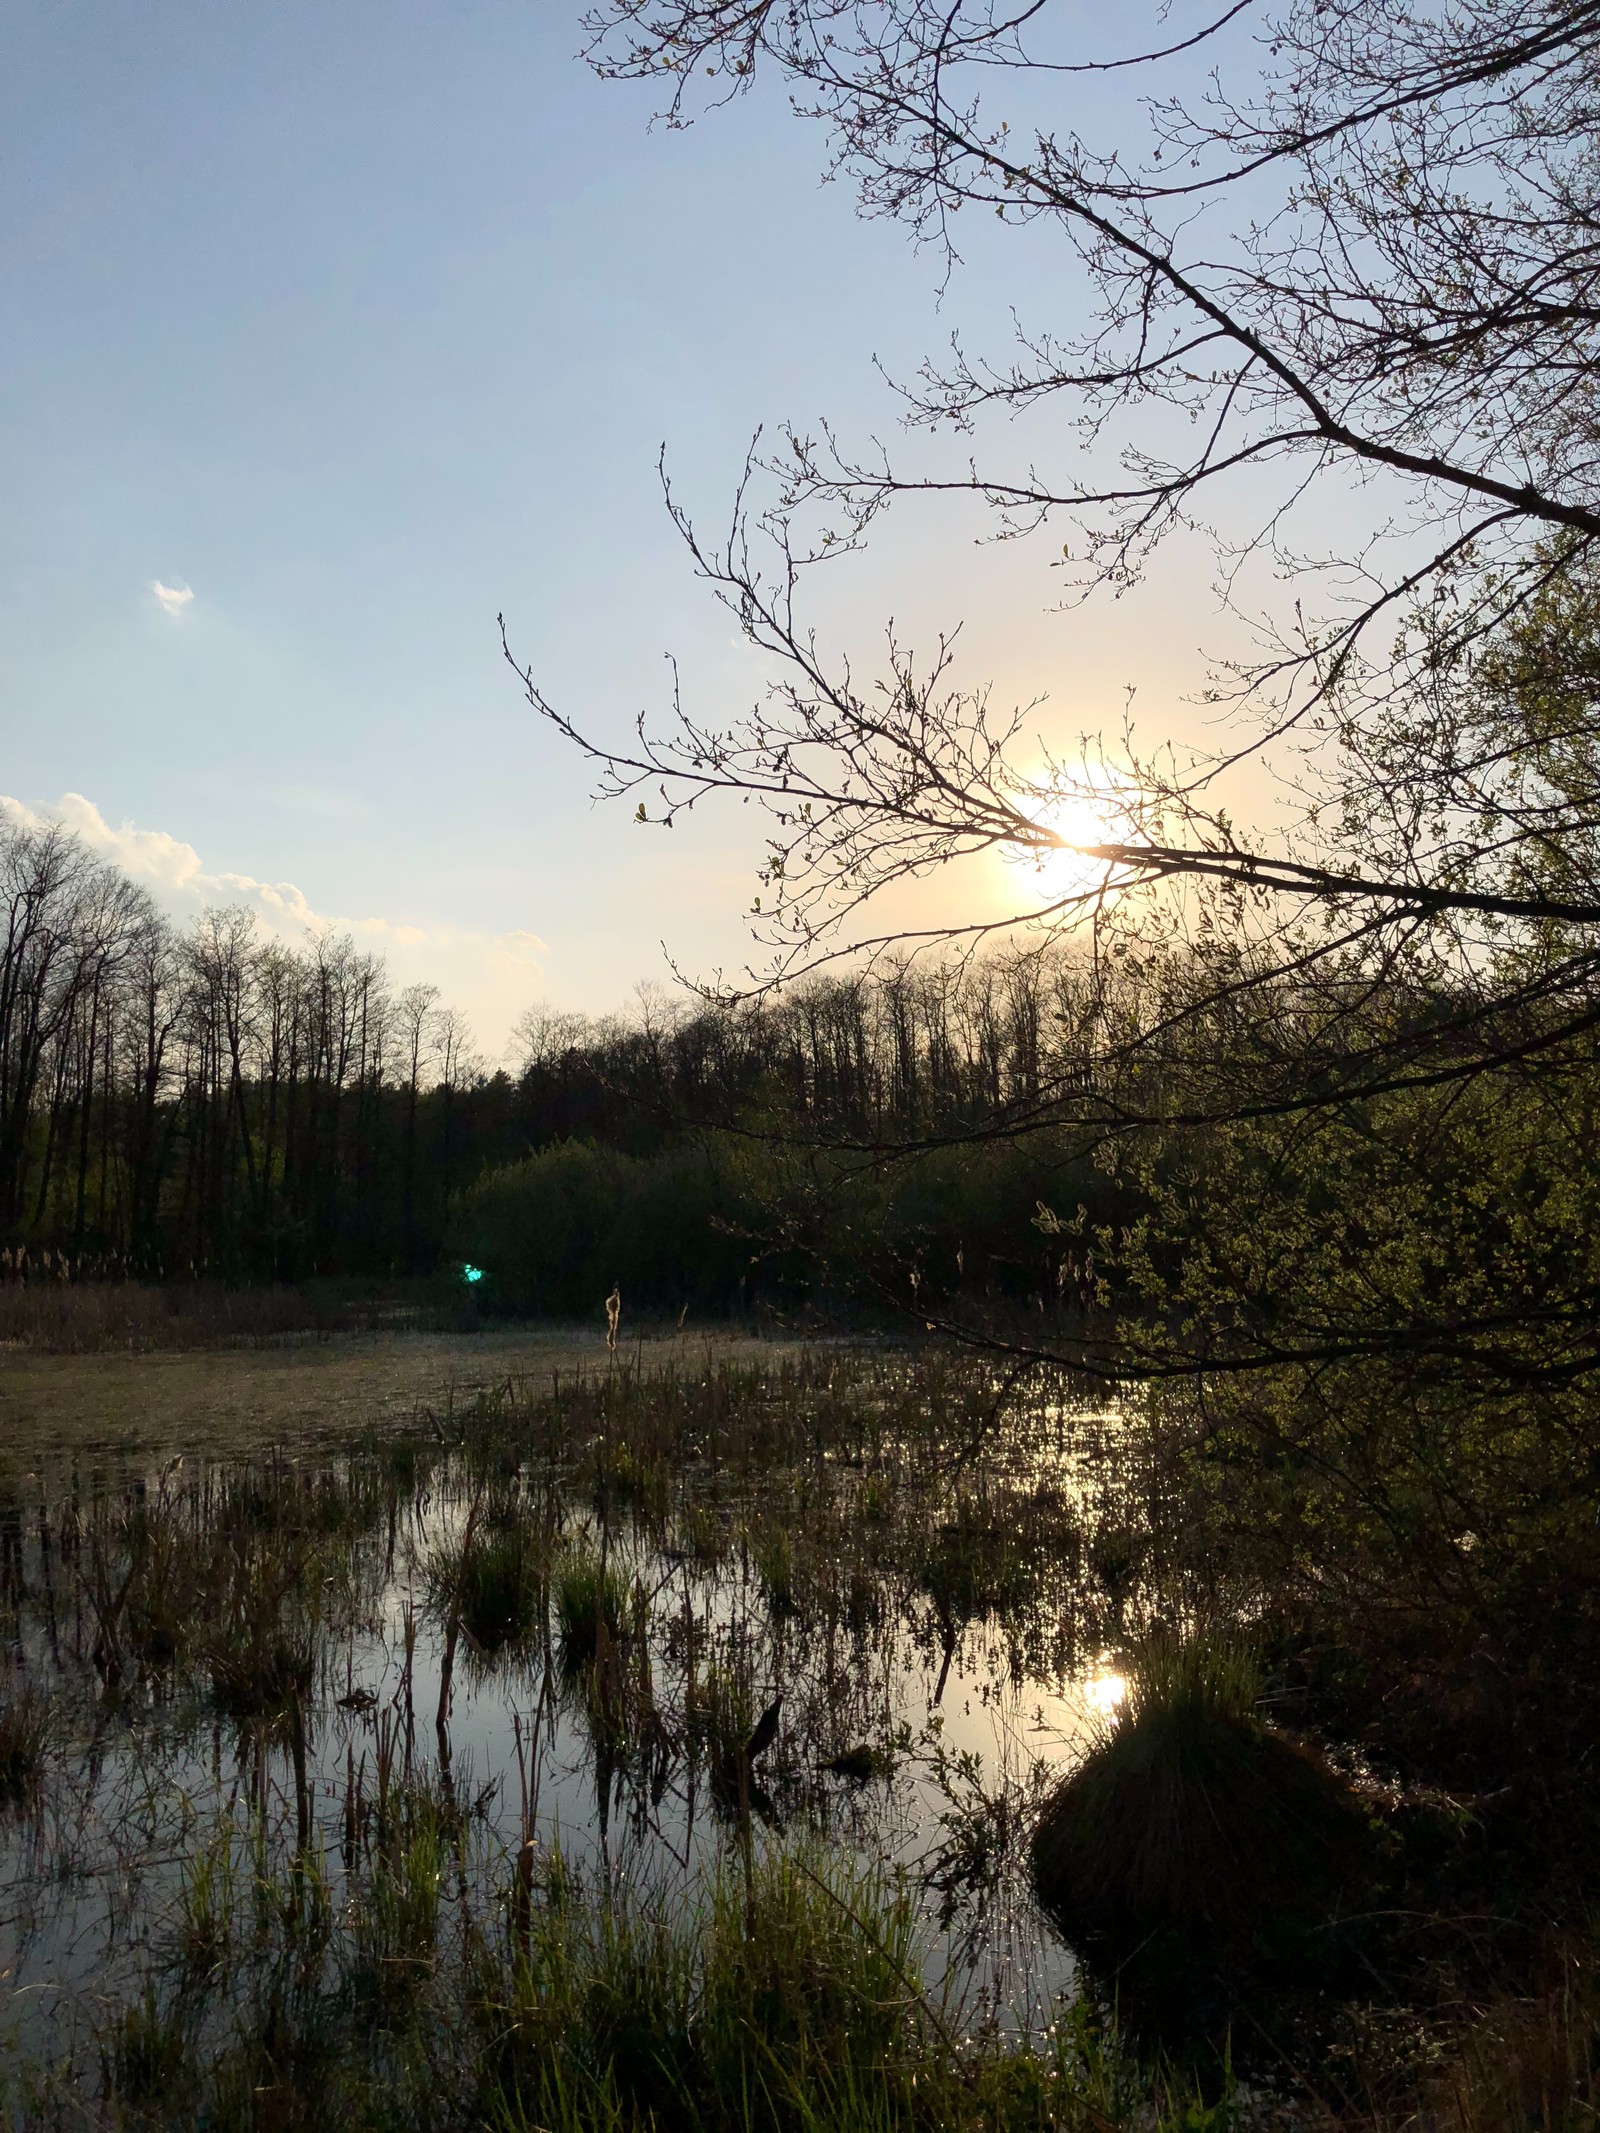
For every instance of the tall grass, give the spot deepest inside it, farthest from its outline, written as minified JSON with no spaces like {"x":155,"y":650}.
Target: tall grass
{"x":788,"y":1997}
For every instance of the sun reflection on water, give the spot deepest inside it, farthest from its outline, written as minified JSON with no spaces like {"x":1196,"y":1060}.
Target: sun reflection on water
{"x":1105,"y":1691}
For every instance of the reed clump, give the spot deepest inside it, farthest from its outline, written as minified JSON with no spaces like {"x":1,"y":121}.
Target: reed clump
{"x":777,"y":2000}
{"x":975,"y":1564}
{"x":146,"y":2064}
{"x":1190,"y":1827}
{"x":772,"y":1558}
{"x":261,"y":1650}
{"x":720,"y":1709}
{"x":496,"y":1581}
{"x":396,"y":1909}
{"x":591,"y":1604}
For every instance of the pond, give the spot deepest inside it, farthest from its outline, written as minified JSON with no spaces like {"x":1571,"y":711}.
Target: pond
{"x":613,"y":1635}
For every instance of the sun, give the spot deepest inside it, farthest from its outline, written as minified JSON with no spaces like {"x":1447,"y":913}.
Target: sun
{"x":1076,"y":821}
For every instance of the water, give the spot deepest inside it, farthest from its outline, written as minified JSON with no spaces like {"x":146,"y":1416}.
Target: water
{"x":935,"y":1623}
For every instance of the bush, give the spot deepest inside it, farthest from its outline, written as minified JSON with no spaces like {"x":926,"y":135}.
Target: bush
{"x":554,"y":1231}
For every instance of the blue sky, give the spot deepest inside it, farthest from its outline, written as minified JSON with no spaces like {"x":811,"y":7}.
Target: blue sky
{"x":362,"y":324}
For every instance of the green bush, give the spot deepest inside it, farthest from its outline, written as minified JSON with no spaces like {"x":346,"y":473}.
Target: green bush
{"x":554,"y":1231}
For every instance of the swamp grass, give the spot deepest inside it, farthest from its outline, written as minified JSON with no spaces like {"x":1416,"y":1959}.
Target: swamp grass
{"x":494,"y":1582}
{"x":592,"y":1603}
{"x":788,"y":1995}
{"x":351,"y":1917}
{"x":344,"y":1880}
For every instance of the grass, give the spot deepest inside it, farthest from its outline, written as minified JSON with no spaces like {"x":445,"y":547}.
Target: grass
{"x":772,"y":1557}
{"x":207,"y":1907}
{"x":788,"y":1998}
{"x":1190,"y":1833}
{"x":145,"y":2060}
{"x":260,"y":1647}
{"x":592,"y":1603}
{"x":496,"y":1581}
{"x":785,"y":1990}
{"x":1521,"y":2062}
{"x":396,"y":1914}
{"x":975,"y":1564}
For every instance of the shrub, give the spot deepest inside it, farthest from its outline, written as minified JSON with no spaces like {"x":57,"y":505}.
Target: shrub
{"x":554,"y":1231}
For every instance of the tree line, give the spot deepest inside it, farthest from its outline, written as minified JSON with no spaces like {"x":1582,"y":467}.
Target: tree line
{"x":206,"y":1101}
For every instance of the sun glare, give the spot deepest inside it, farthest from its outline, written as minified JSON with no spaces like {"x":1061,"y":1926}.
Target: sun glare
{"x":1104,"y":1693}
{"x":1079,"y":820}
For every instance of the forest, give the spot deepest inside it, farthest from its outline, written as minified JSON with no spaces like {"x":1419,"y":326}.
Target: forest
{"x":208,"y":1103}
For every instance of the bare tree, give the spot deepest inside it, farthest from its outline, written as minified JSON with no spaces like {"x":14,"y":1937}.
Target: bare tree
{"x":416,"y":1016}
{"x":1357,"y":259}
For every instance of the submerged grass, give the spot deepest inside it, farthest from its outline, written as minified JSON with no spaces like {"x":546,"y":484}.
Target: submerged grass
{"x":24,"y":1734}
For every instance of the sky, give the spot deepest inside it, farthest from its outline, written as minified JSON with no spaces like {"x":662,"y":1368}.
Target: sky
{"x":333,"y":333}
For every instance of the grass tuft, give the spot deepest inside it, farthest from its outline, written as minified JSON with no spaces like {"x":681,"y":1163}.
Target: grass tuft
{"x":1191,"y":1824}
{"x":496,"y":1583}
{"x":591,"y":1603}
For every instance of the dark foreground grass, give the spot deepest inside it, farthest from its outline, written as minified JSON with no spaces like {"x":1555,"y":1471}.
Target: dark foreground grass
{"x":789,"y":1996}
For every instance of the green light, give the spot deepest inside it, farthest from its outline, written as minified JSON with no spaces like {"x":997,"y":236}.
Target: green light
{"x":470,"y":1274}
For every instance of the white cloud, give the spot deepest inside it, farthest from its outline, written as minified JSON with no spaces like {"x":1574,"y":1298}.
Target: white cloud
{"x":492,"y":976}
{"x":174,"y":598}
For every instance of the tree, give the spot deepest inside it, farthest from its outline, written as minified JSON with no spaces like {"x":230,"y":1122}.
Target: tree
{"x":1340,"y":252}
{"x":1363,"y":248}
